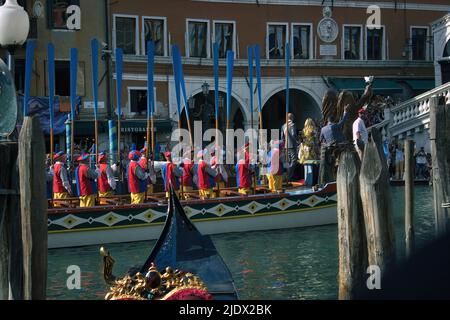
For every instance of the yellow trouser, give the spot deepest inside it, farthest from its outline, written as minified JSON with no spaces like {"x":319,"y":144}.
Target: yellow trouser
{"x":137,"y":198}
{"x":207,"y":194}
{"x":186,"y":189}
{"x":275,"y":182}
{"x":58,"y":196}
{"x":105,"y":194}
{"x":149,"y":189}
{"x":245,"y":191}
{"x":87,"y":201}
{"x":176,"y":192}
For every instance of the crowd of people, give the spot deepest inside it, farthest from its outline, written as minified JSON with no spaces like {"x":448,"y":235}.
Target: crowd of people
{"x":396,"y":162}
{"x":311,"y":156}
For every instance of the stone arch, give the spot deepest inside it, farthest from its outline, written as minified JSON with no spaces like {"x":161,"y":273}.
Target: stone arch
{"x":204,"y":110}
{"x":302,"y":104}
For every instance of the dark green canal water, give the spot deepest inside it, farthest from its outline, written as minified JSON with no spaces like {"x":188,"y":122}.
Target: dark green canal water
{"x":283,"y":264}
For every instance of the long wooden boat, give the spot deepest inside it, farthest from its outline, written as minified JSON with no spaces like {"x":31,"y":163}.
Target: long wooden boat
{"x":299,"y":207}
{"x":193,"y":268}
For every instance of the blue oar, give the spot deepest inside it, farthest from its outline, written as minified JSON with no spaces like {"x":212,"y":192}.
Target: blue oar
{"x":288,"y":62}
{"x":119,"y":64}
{"x":258,"y":76}
{"x":73,"y":94}
{"x":216,"y":81}
{"x":250,"y":79}
{"x":150,"y":95}
{"x":230,"y":61}
{"x":183,"y":91}
{"x":51,"y":90}
{"x":31,"y":46}
{"x":94,"y":59}
{"x":176,"y":76}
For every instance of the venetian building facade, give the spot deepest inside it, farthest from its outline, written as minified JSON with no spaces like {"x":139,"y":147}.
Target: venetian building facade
{"x":441,"y":35}
{"x":331,"y":48}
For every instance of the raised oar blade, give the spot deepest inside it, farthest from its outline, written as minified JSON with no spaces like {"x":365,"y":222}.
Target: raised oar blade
{"x":181,"y":246}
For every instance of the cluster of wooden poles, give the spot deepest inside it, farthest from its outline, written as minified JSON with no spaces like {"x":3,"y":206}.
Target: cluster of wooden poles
{"x":365,"y":211}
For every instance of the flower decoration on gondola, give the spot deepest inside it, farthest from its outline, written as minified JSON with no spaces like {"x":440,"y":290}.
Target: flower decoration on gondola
{"x":170,"y":285}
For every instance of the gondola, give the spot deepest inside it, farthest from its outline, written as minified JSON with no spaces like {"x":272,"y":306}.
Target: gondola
{"x":194,"y":268}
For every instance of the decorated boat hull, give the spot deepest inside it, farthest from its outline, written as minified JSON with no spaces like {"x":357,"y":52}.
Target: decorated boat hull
{"x":129,"y":223}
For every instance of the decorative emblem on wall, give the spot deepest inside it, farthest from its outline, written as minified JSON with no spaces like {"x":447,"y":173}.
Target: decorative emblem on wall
{"x":327,"y":29}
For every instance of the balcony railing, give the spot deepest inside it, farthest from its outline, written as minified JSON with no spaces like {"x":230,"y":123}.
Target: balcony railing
{"x":412,"y":113}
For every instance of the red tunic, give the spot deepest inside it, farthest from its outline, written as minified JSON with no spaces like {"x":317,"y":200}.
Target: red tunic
{"x":57,"y":181}
{"x":85,"y":187}
{"x":103,"y":184}
{"x":187,"y":175}
{"x":203,"y":177}
{"x":133,"y":181}
{"x":245,"y":180}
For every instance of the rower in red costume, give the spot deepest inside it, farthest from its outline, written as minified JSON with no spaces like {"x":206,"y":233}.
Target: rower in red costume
{"x":137,"y":178}
{"x":244,"y":172}
{"x":222,"y":175}
{"x":61,"y":184}
{"x":187,"y":180}
{"x":106,"y":179}
{"x":86,"y":184}
{"x":205,"y":176}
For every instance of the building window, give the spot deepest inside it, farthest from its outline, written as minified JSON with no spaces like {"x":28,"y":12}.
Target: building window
{"x":137,"y":98}
{"x":126,"y":34}
{"x":277,"y":37}
{"x":224,"y":35}
{"x":62,"y":78}
{"x":155,"y":30}
{"x":198,"y":38}
{"x":375,"y":44}
{"x":352,"y":42}
{"x":302,"y":41}
{"x":57,"y":13}
{"x":419,"y":43}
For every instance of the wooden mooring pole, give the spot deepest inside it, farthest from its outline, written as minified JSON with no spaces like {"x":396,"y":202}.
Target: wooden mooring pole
{"x":409,"y":197}
{"x":33,"y":206}
{"x":352,"y":236}
{"x":377,"y":205}
{"x":11,"y":263}
{"x":440,"y":153}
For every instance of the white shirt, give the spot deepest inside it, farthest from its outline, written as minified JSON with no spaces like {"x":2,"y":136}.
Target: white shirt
{"x":359,"y":126}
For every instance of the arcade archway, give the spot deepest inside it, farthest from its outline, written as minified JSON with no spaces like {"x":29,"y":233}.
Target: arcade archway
{"x":302,"y":105}
{"x":203,"y":109}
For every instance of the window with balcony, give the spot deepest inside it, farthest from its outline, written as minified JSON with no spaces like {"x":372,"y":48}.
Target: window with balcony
{"x":276,"y":40}
{"x":302,"y":41}
{"x":198,"y":38}
{"x":224,"y":35}
{"x":419,"y":36}
{"x":57,"y":13}
{"x":155,"y":30}
{"x":375,"y":44}
{"x":352,"y":42}
{"x":126,"y":34}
